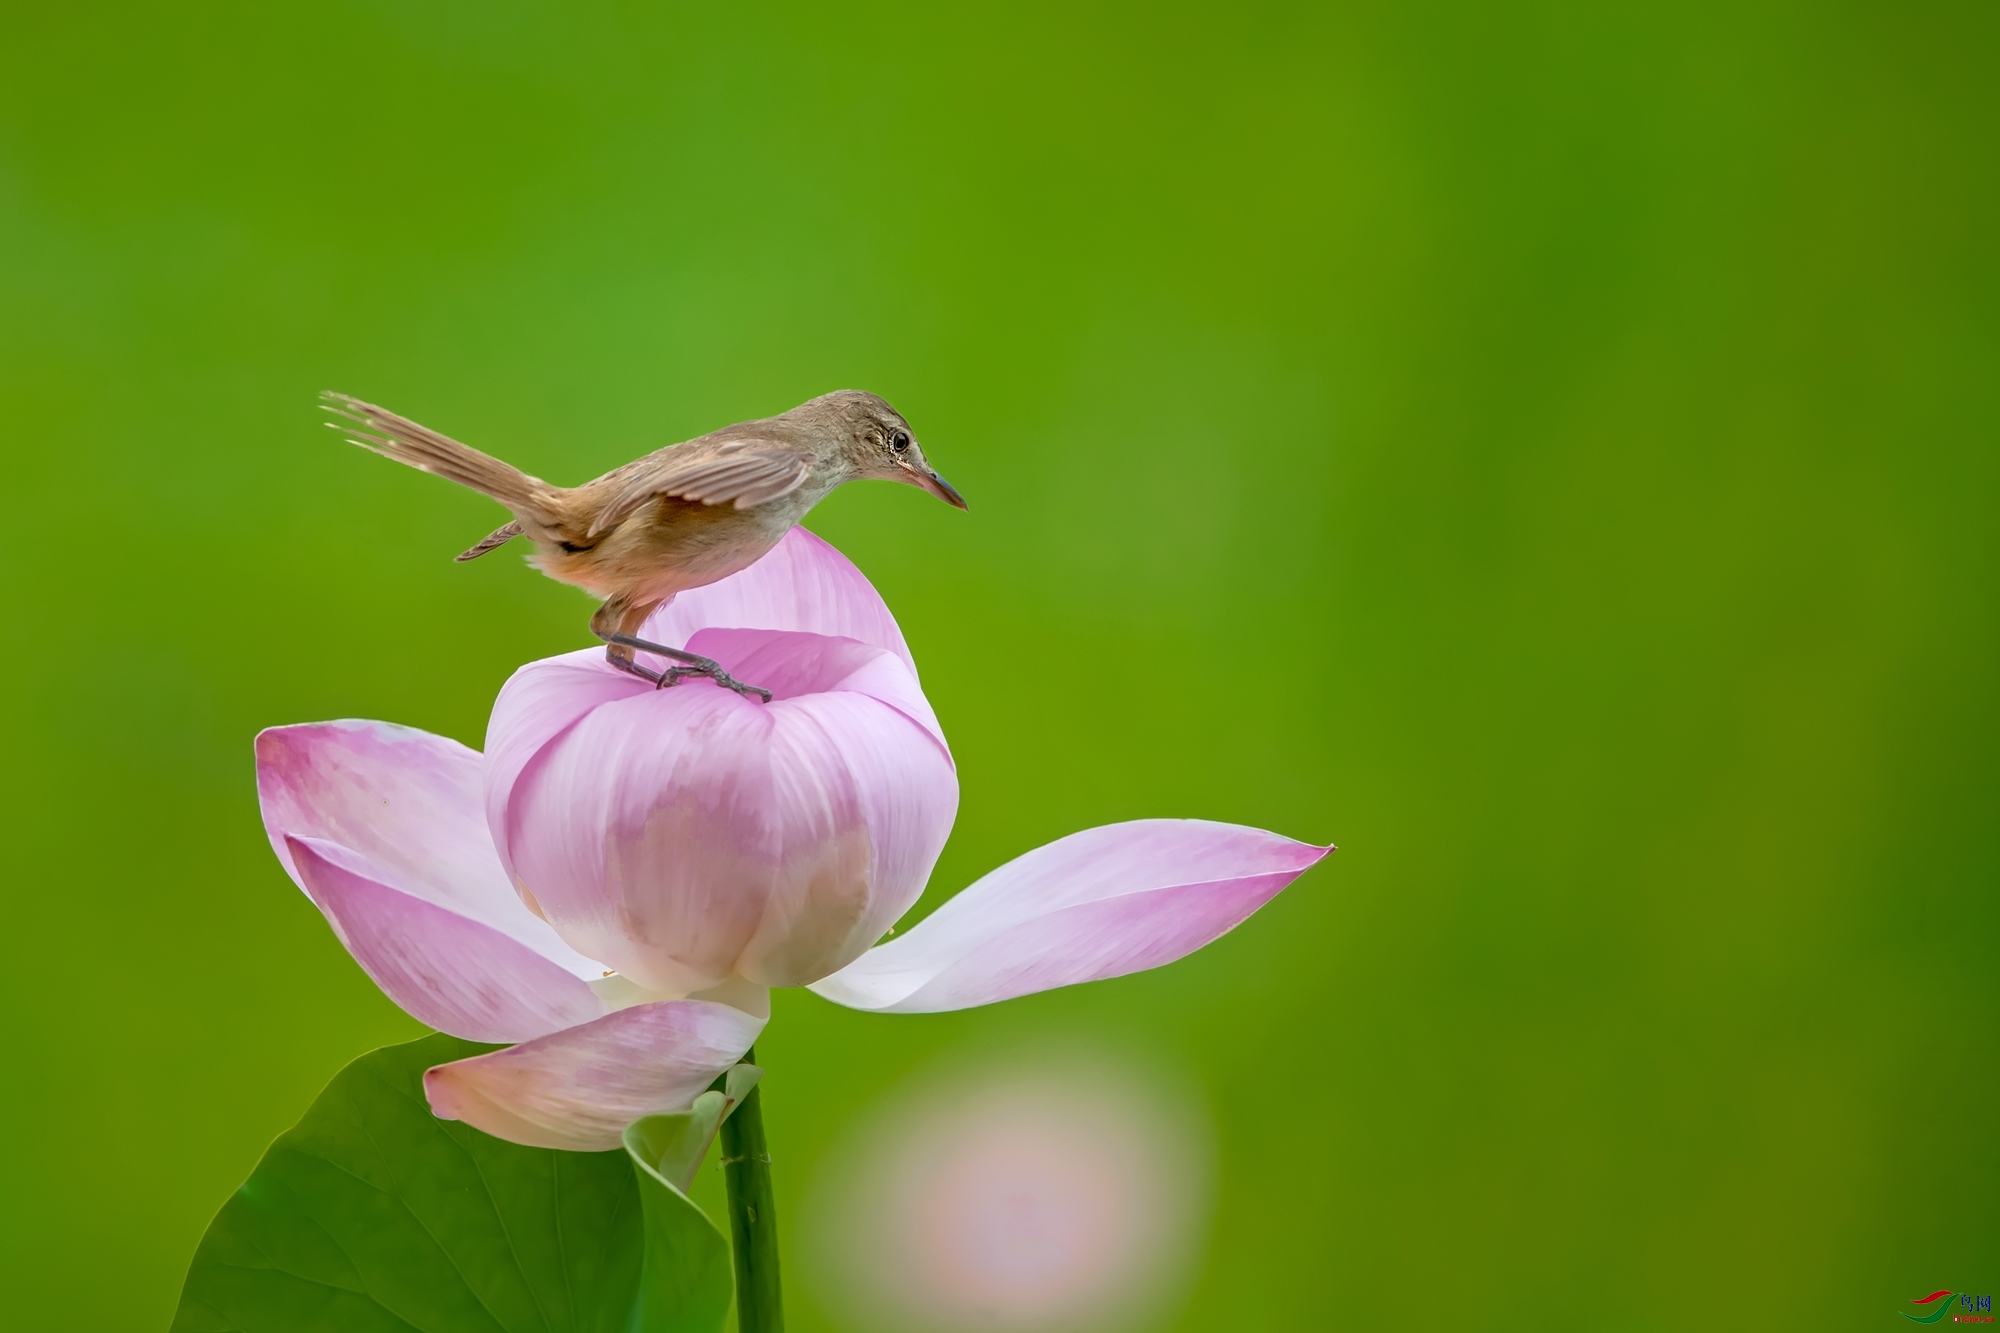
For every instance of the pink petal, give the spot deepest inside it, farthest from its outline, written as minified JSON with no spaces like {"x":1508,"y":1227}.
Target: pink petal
{"x":687,"y":835}
{"x":803,"y":584}
{"x":446,"y":970}
{"x":578,"y":1089}
{"x":537,"y":704}
{"x":410,"y":804}
{"x":1096,"y":904}
{"x":791,"y":665}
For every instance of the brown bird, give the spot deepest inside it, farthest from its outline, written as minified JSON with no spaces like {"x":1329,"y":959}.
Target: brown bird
{"x":680,"y":517}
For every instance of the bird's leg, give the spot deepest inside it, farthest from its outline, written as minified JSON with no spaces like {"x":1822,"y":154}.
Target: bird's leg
{"x":693,"y":665}
{"x":619,"y":615}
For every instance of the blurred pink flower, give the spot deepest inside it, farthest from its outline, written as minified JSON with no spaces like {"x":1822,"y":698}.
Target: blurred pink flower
{"x":617,"y":884}
{"x":1057,"y":1188}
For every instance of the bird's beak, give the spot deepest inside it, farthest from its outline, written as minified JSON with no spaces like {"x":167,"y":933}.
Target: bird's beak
{"x":935,"y":484}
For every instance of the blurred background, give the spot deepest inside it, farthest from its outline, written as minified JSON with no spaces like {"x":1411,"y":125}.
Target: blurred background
{"x":1551,"y":451}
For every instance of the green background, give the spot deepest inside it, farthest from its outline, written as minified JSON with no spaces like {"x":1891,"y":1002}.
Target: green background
{"x":1549,"y":450}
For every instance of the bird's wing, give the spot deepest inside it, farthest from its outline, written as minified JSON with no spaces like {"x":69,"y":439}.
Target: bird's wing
{"x":742,"y":472}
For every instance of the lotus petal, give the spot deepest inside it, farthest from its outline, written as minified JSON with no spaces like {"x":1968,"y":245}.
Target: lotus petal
{"x":802,"y":584}
{"x":409,"y":803}
{"x":1096,"y":904}
{"x":578,"y":1089}
{"x":458,"y":975}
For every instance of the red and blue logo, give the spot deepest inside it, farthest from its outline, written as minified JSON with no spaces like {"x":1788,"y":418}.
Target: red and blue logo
{"x":1966,"y":1309}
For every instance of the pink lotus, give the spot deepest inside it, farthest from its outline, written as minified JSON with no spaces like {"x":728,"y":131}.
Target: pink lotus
{"x":619,"y":881}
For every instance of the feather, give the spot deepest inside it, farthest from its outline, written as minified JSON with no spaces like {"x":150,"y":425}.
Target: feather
{"x":492,"y":541}
{"x":404,"y":440}
{"x":739,"y":472}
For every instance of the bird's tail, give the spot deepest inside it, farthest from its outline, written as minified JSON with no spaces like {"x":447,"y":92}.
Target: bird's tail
{"x":404,"y":440}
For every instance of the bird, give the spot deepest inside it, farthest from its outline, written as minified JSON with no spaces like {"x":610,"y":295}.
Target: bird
{"x":678,"y":518}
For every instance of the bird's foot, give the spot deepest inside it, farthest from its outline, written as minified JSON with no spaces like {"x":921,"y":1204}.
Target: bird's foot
{"x":691,"y":664}
{"x":714,"y":672}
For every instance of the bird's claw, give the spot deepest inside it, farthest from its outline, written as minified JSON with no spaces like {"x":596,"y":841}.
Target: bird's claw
{"x":674,"y":675}
{"x":692,"y":664}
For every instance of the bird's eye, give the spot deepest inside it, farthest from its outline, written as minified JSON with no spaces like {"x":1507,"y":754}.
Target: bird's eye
{"x":900,"y":441}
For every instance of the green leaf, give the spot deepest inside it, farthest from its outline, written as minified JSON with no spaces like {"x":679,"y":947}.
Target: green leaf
{"x":373,"y":1214}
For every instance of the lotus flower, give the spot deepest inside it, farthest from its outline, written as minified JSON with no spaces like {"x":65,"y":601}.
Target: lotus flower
{"x":1061,"y":1188}
{"x":616,"y":884}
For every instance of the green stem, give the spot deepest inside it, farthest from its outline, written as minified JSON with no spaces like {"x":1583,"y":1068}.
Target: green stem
{"x":753,"y":1222}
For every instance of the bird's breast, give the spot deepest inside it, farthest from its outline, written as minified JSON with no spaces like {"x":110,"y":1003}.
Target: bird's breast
{"x":673,"y":545}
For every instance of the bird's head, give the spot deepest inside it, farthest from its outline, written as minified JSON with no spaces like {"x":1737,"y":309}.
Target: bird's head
{"x":881,"y":445}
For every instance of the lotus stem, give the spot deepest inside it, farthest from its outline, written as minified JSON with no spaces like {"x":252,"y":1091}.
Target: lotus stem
{"x":753,"y":1221}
